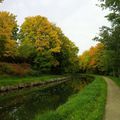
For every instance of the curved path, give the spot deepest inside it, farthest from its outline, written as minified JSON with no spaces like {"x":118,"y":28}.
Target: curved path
{"x":112,"y":110}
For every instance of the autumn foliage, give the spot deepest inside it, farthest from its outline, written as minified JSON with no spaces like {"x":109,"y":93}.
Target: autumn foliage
{"x":37,"y":42}
{"x":8,"y":31}
{"x":91,"y":61}
{"x":15,"y":69}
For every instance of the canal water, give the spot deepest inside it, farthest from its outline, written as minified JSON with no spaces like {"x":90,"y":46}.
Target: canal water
{"x":27,"y":103}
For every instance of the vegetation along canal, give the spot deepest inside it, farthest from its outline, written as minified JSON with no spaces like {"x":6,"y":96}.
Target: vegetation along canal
{"x":27,"y":103}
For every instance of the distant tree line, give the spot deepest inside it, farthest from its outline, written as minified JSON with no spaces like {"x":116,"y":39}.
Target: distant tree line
{"x":37,"y":42}
{"x":91,"y":61}
{"x":106,"y":59}
{"x":43,"y":45}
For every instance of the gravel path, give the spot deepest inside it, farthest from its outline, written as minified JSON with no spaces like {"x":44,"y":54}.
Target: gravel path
{"x":112,"y":110}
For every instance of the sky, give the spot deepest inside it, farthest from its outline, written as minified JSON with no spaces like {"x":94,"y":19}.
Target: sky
{"x":79,"y":20}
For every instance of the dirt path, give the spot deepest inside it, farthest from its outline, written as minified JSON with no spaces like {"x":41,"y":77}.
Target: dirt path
{"x":112,"y":110}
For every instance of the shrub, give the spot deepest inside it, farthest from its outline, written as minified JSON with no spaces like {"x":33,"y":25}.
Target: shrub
{"x":5,"y":68}
{"x":16,"y":69}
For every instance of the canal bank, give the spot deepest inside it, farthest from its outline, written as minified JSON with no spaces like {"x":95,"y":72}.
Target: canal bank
{"x":33,"y":84}
{"x":25,"y":104}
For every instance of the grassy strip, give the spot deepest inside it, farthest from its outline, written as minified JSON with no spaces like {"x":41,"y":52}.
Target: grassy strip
{"x":117,"y":80}
{"x":4,"y":81}
{"x":88,"y":104}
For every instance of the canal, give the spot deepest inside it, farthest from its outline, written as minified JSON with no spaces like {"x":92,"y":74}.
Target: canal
{"x":27,"y":103}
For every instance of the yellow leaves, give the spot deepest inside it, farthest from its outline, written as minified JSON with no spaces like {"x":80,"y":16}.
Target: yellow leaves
{"x":42,"y":32}
{"x":41,"y":45}
{"x":8,"y":25}
{"x":10,"y":48}
{"x":55,"y":63}
{"x":55,"y":50}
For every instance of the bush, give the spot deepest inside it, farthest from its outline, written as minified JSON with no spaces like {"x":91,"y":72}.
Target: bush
{"x":5,"y":68}
{"x":16,"y":69}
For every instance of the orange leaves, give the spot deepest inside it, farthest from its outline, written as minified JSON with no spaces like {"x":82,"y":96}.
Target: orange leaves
{"x":90,"y":59}
{"x":15,"y":69}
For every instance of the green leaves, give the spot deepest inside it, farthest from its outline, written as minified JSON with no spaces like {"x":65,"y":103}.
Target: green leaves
{"x":2,"y":44}
{"x":110,"y":37}
{"x":111,"y":4}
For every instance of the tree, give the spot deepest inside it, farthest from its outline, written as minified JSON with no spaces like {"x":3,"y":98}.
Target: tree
{"x":67,"y":57}
{"x":8,"y":34}
{"x":110,"y":36}
{"x":111,"y":4}
{"x":111,"y":39}
{"x":43,"y":62}
{"x":2,"y":44}
{"x":26,"y":52}
{"x":39,"y":37}
{"x":92,"y":60}
{"x":41,"y":33}
{"x":52,"y":49}
{"x":84,"y":61}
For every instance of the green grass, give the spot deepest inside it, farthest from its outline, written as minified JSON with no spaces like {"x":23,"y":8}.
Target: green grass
{"x":117,"y":80}
{"x":89,"y":104}
{"x":8,"y":80}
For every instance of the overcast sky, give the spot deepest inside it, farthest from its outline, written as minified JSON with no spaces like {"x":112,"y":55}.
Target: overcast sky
{"x":79,"y":19}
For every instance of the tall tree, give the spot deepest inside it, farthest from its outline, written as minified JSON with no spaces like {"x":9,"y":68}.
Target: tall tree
{"x":111,"y":39}
{"x":111,"y":4}
{"x":8,"y":34}
{"x":92,"y":60}
{"x":67,"y":57}
{"x":110,"y":36}
{"x":84,"y":61}
{"x":40,"y":35}
{"x":40,"y":32}
{"x":54,"y":51}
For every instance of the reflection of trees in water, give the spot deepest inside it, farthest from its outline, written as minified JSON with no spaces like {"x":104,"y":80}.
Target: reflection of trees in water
{"x":25,"y":107}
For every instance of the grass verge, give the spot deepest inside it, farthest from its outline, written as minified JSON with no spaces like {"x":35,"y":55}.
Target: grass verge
{"x":88,"y":104}
{"x":9,"y":80}
{"x":117,"y":80}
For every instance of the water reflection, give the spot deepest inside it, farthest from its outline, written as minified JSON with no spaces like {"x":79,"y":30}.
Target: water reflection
{"x":25,"y":104}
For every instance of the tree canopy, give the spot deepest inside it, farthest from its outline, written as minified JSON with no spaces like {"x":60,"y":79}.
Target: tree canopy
{"x":8,"y":33}
{"x":92,"y":60}
{"x":40,"y":32}
{"x":110,"y":38}
{"x":37,"y":42}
